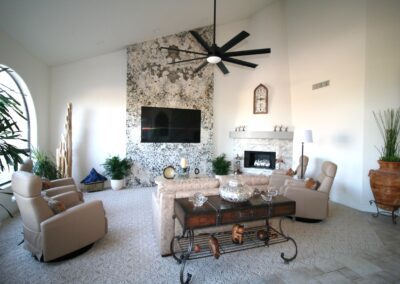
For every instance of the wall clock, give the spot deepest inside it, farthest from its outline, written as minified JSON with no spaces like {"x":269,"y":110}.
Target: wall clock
{"x":260,"y":104}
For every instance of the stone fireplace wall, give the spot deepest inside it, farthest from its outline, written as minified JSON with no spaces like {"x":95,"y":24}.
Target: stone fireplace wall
{"x":151,"y":81}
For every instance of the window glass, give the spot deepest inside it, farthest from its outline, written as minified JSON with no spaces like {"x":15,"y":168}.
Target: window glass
{"x":14,"y":86}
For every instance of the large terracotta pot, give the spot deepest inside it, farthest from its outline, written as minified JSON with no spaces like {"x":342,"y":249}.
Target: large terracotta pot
{"x":385,"y":185}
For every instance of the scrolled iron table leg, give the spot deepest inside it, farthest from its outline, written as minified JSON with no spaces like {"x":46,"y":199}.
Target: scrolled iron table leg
{"x":171,"y":247}
{"x":185,"y":257}
{"x":286,"y":259}
{"x":280,"y":226}
{"x":289,"y":259}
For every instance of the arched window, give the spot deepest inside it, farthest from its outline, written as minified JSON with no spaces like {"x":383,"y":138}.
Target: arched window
{"x":12,"y":84}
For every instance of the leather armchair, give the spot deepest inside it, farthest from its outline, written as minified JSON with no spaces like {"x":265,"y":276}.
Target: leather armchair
{"x":312,"y":204}
{"x":47,"y":235}
{"x":54,"y":187}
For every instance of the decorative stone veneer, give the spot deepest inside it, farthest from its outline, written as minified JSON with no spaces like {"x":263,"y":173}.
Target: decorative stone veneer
{"x":282,"y":147}
{"x":151,"y":81}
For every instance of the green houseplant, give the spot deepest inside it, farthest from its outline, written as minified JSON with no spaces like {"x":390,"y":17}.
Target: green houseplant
{"x":117,"y":169}
{"x":10,"y":155}
{"x":385,"y":182}
{"x":220,"y":165}
{"x":43,"y":165}
{"x":388,"y":123}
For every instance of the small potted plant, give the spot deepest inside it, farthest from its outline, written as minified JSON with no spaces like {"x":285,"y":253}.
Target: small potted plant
{"x":220,"y":165}
{"x":117,"y":169}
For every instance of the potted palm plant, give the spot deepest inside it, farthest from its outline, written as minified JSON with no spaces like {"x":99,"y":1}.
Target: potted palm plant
{"x":385,"y":182}
{"x":117,"y":169}
{"x":10,"y":155}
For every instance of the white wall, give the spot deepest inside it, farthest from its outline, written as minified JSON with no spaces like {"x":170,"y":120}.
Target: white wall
{"x":96,"y":87}
{"x":382,"y":78}
{"x":355,"y":45}
{"x":327,"y":42}
{"x":36,"y":76}
{"x":233,"y":93}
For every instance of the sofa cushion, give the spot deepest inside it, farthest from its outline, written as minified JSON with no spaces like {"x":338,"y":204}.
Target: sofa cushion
{"x":252,"y":180}
{"x":187,"y":184}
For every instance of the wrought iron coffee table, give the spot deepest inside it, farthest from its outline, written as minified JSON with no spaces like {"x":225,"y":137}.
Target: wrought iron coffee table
{"x":218,"y":212}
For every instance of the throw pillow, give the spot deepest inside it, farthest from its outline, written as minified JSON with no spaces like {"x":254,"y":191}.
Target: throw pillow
{"x":290,"y":172}
{"x":45,"y":184}
{"x":311,"y":184}
{"x":55,"y":205}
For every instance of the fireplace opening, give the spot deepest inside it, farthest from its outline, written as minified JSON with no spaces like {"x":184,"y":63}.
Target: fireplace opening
{"x":259,"y":160}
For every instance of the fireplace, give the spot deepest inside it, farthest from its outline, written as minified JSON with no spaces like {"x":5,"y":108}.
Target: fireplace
{"x":259,"y":160}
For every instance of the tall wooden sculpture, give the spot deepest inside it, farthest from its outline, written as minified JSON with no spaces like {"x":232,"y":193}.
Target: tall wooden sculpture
{"x":64,"y":152}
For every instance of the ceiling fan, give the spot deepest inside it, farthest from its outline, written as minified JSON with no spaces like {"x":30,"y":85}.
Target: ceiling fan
{"x":216,"y":55}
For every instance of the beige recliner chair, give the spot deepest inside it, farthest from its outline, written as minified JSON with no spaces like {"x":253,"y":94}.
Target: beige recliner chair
{"x":310,"y":203}
{"x":54,"y":187}
{"x":47,"y":235}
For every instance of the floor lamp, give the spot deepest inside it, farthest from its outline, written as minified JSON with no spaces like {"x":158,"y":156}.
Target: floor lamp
{"x":306,"y":138}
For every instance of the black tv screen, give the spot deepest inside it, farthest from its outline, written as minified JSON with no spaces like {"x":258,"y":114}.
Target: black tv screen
{"x":170,"y":125}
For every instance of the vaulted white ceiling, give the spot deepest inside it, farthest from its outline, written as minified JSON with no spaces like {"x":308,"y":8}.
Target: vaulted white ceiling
{"x":62,"y":31}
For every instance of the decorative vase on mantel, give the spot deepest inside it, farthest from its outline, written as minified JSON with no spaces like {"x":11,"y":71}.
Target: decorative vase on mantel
{"x":385,"y":185}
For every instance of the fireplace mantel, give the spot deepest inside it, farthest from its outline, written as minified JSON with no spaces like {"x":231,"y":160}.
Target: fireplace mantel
{"x":286,"y":135}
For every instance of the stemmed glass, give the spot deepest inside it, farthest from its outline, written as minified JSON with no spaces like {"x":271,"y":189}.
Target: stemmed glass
{"x":271,"y":192}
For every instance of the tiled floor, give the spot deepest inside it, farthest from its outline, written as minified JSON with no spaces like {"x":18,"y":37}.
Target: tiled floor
{"x":372,"y":266}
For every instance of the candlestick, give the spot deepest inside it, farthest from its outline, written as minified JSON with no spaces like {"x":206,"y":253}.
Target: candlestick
{"x":183,"y":163}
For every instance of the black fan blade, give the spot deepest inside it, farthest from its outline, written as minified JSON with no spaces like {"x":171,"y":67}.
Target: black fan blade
{"x":201,"y":41}
{"x":187,"y":60}
{"x":222,"y":67}
{"x":240,"y":62}
{"x":200,"y":67}
{"x":248,"y":52}
{"x":182,"y":50}
{"x":234,"y":41}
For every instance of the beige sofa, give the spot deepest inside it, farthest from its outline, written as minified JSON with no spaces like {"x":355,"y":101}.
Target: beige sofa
{"x":164,"y":224}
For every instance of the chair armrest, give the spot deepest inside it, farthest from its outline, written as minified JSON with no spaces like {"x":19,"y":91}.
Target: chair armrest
{"x":72,"y":229}
{"x":61,"y":182}
{"x":311,"y":204}
{"x":278,"y":180}
{"x":58,"y":190}
{"x":298,"y":192}
{"x":69,"y":199}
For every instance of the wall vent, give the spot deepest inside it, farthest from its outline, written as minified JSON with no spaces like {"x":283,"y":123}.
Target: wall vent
{"x":321,"y":85}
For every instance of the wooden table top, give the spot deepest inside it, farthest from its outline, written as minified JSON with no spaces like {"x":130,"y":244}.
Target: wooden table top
{"x":217,"y":211}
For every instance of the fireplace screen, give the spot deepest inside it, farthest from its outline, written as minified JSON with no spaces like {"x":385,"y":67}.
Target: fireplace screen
{"x":261,"y":160}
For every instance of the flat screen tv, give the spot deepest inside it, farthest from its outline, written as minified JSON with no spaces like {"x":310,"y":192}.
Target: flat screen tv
{"x":170,"y":125}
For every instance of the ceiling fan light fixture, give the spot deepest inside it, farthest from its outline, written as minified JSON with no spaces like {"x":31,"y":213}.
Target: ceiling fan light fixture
{"x":213,"y":59}
{"x":215,"y":54}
